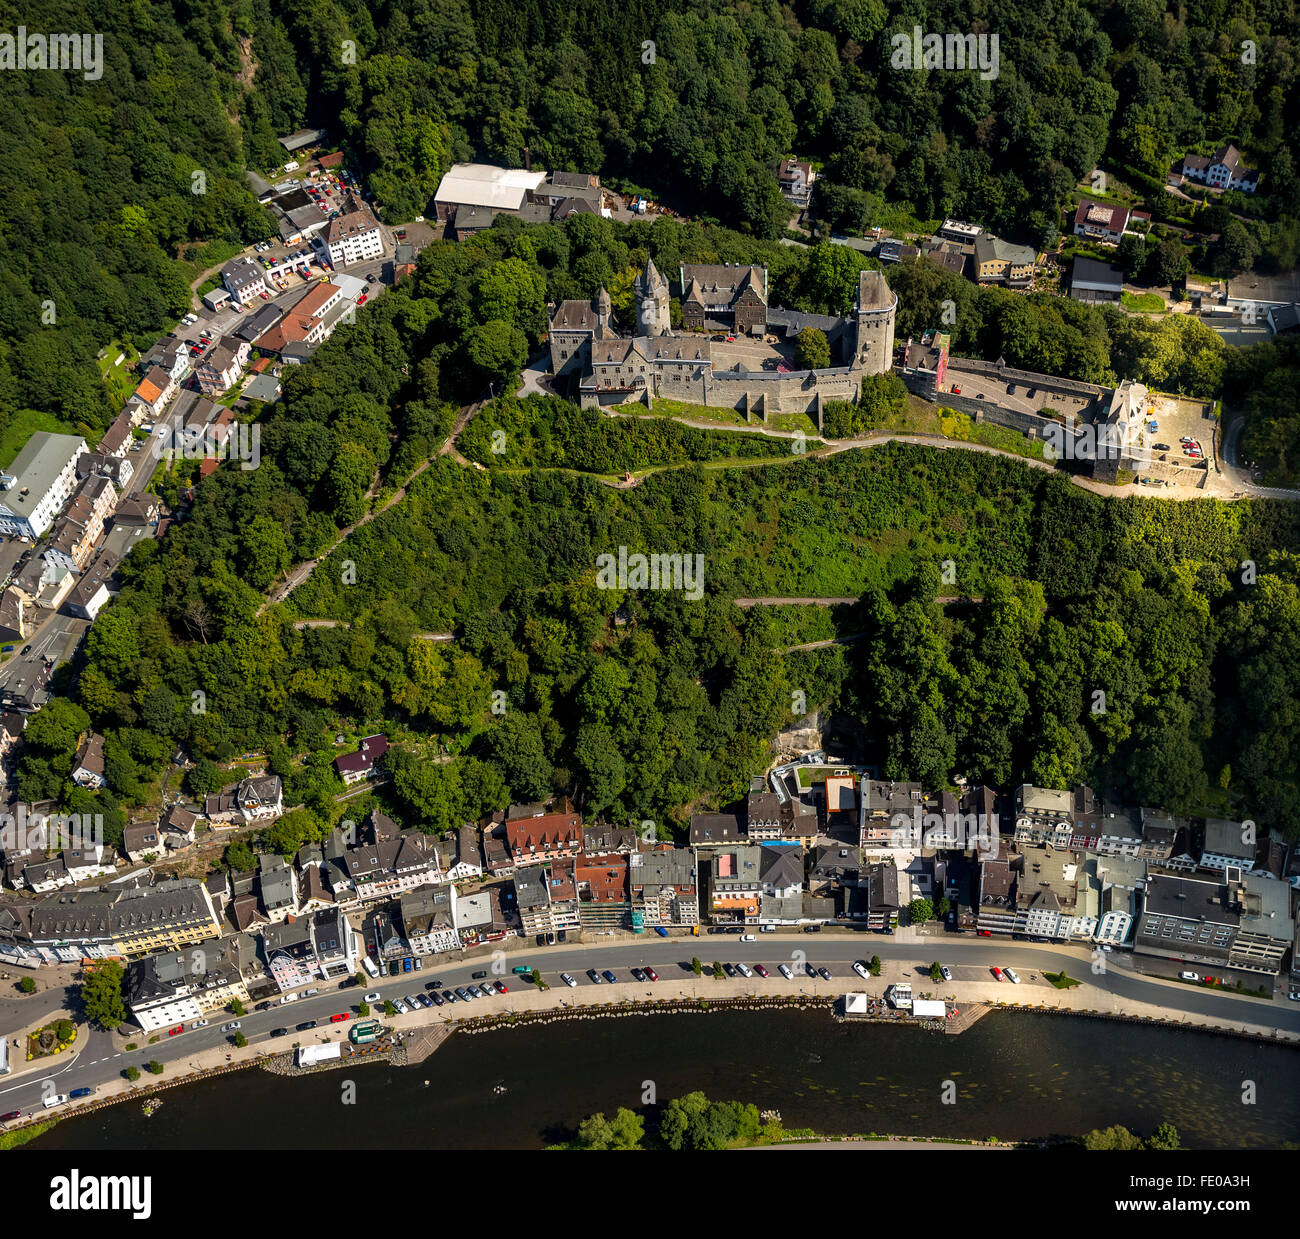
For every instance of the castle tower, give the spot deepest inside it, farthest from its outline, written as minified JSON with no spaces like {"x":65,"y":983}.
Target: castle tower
{"x":874,"y":335}
{"x":651,"y":290}
{"x":604,"y":316}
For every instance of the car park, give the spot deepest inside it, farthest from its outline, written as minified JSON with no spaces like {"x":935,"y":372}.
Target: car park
{"x":372,"y":997}
{"x":609,"y":976}
{"x":651,"y":974}
{"x":784,"y":970}
{"x":568,"y":980}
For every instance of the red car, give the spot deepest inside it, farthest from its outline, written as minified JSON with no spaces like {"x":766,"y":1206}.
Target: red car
{"x":956,"y":391}
{"x":997,"y":972}
{"x":984,"y":933}
{"x":762,"y":972}
{"x":501,"y":987}
{"x":361,"y":300}
{"x":180,"y":1028}
{"x":652,"y":974}
{"x":338,"y":1019}
{"x":13,"y":1114}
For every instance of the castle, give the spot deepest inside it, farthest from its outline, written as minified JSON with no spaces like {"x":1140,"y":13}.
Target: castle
{"x":610,"y":368}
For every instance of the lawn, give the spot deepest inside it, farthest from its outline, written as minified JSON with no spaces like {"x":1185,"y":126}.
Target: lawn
{"x":121,"y":379}
{"x":961,"y":427}
{"x":692,"y":412}
{"x":1143,"y":303}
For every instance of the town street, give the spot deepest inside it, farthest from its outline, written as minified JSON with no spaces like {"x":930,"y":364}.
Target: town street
{"x":1120,"y":989}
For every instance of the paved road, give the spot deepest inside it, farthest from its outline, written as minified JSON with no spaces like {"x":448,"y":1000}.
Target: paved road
{"x":101,"y":1060}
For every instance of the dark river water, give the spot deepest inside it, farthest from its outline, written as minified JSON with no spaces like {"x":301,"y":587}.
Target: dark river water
{"x":1016,"y":1076}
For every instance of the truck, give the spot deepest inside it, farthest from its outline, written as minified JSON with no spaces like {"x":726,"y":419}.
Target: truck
{"x":362,"y":1034}
{"x":1218,"y":311}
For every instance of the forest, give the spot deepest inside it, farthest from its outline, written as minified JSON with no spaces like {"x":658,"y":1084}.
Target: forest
{"x":644,"y":704}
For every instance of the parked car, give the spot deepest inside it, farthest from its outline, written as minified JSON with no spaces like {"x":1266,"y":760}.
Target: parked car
{"x":402,"y":1008}
{"x":609,"y":976}
{"x":946,"y":973}
{"x":438,"y":999}
{"x":57,"y":1100}
{"x":568,"y":980}
{"x":81,"y":1092}
{"x":279,"y":1032}
{"x":13,"y":1114}
{"x":434,"y":984}
{"x":652,"y":974}
{"x":1011,"y":976}
{"x":744,"y":970}
{"x":810,"y":970}
{"x":997,"y":974}
{"x":824,"y":973}
{"x":596,"y":978}
{"x":374,"y":996}
{"x":762,"y":972}
{"x":661,"y":931}
{"x":1188,"y":976}
{"x":413,"y":1001}
{"x":861,"y":969}
{"x":748,"y":938}
{"x":637,"y":974}
{"x":176,"y":1032}
{"x":729,"y":969}
{"x":784,"y":970}
{"x":1161,"y":447}
{"x":233,"y":1026}
{"x":501,"y":987}
{"x":198,"y":1024}
{"x":305,"y":1025}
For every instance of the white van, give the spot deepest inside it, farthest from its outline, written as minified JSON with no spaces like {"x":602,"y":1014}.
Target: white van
{"x":288,"y":998}
{"x":57,"y":1100}
{"x":369,"y":965}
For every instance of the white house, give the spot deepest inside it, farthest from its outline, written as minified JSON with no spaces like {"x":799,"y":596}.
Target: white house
{"x":38,"y":483}
{"x":354,"y":237}
{"x":1222,"y":170}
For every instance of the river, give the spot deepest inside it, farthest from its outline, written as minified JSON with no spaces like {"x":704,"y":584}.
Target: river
{"x":1017,"y":1076}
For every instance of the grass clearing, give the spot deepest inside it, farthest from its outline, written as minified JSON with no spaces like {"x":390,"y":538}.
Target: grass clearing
{"x":1143,"y":303}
